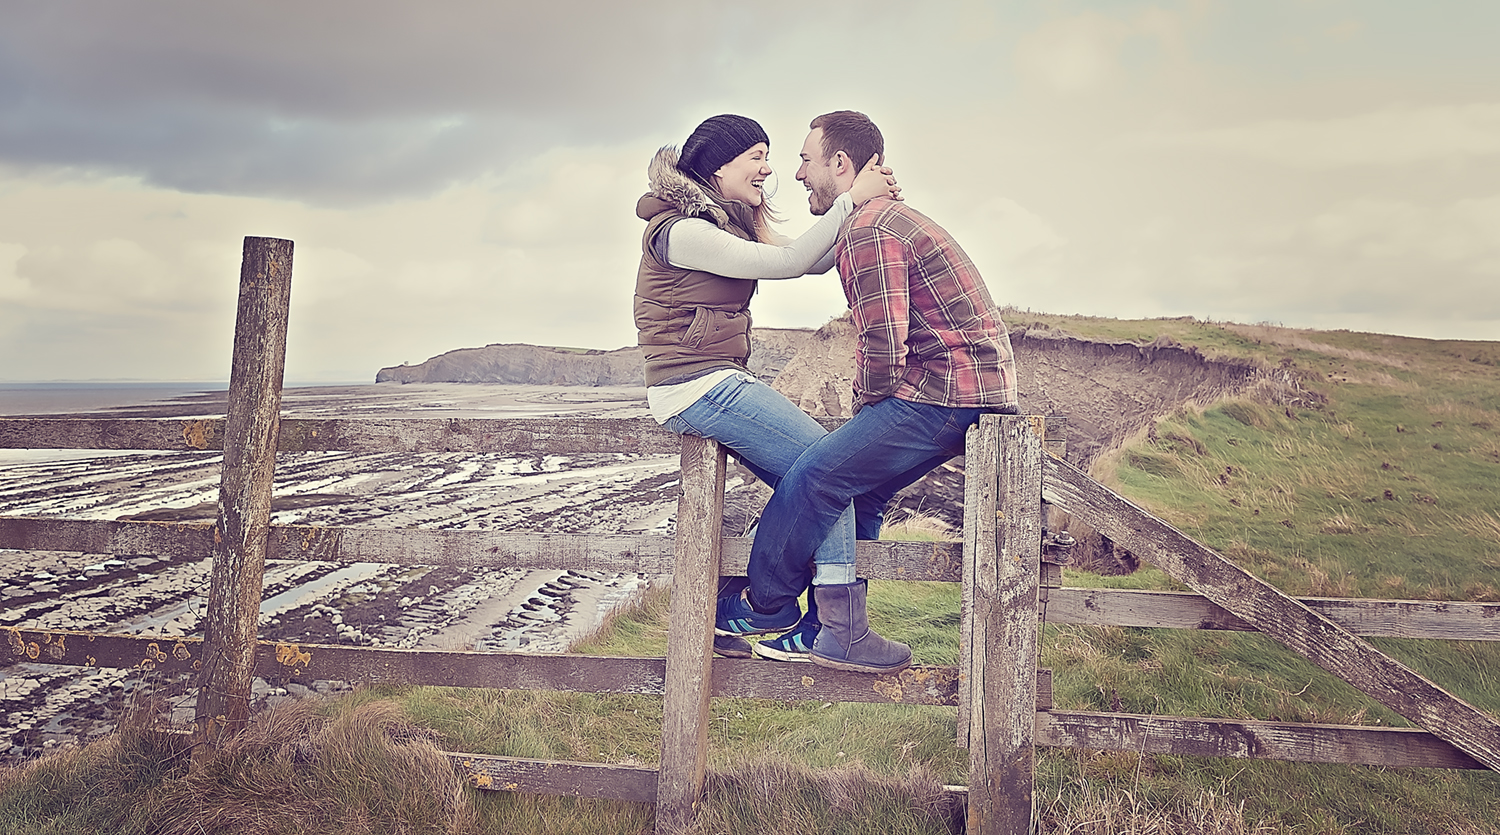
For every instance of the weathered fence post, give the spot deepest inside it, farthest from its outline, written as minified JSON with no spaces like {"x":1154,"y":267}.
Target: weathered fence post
{"x":250,"y":436}
{"x":689,"y":683}
{"x":1002,"y":563}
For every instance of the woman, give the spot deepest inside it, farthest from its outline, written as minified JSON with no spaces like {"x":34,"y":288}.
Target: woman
{"x":708,"y":240}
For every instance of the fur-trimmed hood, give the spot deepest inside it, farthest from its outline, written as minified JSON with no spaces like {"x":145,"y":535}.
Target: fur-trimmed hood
{"x":672,"y":189}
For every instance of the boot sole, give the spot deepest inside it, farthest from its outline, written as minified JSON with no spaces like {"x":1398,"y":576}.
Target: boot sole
{"x":778,"y":654}
{"x":835,"y":664}
{"x":751,"y":634}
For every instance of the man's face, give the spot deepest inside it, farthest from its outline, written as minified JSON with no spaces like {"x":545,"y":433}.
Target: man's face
{"x":816,"y":174}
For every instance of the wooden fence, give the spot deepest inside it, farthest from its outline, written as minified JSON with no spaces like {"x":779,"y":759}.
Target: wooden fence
{"x":1009,"y":588}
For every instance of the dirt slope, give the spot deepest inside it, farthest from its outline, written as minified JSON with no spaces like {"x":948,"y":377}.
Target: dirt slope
{"x":1108,"y":391}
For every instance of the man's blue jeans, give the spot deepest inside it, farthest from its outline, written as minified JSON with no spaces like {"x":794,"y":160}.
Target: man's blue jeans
{"x":767,"y":433}
{"x":887,"y":446}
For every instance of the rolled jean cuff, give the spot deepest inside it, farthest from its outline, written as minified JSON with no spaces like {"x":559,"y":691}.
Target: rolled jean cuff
{"x":834,"y":574}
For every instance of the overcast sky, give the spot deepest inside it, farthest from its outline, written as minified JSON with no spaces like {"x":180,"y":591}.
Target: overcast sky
{"x":456,"y":174}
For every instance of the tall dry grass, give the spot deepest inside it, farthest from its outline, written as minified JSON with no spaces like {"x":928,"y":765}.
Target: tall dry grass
{"x":299,"y":768}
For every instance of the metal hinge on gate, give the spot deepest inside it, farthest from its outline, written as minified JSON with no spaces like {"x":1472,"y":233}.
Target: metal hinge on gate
{"x":1057,"y":547}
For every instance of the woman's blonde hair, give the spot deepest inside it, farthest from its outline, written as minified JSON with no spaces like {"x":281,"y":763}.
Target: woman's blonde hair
{"x":764,"y":217}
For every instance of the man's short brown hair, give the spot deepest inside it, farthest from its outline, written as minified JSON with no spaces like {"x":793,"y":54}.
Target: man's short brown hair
{"x":850,"y":132}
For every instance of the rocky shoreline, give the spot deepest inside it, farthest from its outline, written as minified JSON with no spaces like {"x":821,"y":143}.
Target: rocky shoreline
{"x":360,"y":604}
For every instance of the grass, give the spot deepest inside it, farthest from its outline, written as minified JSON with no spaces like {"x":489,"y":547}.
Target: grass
{"x":301,"y":767}
{"x":1384,"y":488}
{"x":1378,"y":483}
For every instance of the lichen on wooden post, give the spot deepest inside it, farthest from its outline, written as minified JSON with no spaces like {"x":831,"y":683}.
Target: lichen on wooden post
{"x":252,"y":424}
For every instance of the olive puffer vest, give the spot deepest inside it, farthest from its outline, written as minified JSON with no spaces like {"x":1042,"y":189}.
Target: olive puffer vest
{"x":688,"y":322}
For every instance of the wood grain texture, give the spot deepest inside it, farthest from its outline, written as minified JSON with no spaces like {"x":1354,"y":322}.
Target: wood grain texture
{"x":1433,"y":619}
{"x":981,"y":448}
{"x":634,"y":784}
{"x":689,"y":663}
{"x":284,"y":662}
{"x":641,"y":553}
{"x":175,"y":540}
{"x":1289,"y":741}
{"x":1295,"y":625}
{"x":652,"y":554}
{"x":537,"y":436}
{"x":1003,"y":625}
{"x":231,"y":616}
{"x":112,"y":433}
{"x":306,"y":663}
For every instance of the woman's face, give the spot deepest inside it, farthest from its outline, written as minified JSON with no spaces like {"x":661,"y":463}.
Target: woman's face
{"x":740,"y":178}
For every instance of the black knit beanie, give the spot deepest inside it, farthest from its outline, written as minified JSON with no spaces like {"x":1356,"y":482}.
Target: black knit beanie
{"x":718,"y":140}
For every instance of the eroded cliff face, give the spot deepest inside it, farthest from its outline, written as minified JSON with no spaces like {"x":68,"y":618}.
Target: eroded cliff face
{"x":520,"y":364}
{"x":1108,"y":391}
{"x":820,"y":378}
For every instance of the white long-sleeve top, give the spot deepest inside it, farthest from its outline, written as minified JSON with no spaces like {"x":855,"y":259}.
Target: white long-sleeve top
{"x":697,"y":244}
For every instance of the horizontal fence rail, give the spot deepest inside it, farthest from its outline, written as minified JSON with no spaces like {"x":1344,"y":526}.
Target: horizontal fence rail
{"x":562,"y":672}
{"x":641,"y":436}
{"x":920,"y":685}
{"x":1434,"y":619}
{"x":1250,"y":740}
{"x":652,"y":554}
{"x":537,"y":436}
{"x":644,"y":554}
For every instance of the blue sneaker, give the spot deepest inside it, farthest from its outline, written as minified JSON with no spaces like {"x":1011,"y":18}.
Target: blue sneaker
{"x":792,"y":646}
{"x":735,"y":617}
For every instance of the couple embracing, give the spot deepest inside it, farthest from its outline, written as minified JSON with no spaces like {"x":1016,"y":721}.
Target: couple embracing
{"x":932,"y":355}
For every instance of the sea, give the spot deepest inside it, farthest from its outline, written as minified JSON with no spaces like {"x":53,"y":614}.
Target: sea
{"x":73,"y":397}
{"x":50,"y":398}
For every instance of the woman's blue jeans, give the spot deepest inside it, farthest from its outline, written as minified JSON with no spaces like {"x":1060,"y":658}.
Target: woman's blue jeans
{"x":885,"y":447}
{"x":768,"y":433}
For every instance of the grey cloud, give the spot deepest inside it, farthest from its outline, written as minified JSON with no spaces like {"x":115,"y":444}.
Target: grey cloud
{"x":351,"y":59}
{"x":340,"y":100}
{"x":237,"y":151}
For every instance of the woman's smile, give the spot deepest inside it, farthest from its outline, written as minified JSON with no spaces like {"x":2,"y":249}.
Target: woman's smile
{"x":742,"y":177}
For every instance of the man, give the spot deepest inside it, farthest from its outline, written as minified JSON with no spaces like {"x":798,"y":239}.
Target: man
{"x":932,"y":356}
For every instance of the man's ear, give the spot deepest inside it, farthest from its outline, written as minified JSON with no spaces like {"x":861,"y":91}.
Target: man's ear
{"x":841,"y":162}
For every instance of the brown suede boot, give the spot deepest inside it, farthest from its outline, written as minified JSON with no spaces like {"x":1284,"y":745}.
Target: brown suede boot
{"x":845,"y":642}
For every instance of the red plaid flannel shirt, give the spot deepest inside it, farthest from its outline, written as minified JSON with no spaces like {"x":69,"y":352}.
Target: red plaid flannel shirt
{"x":928,"y":330}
